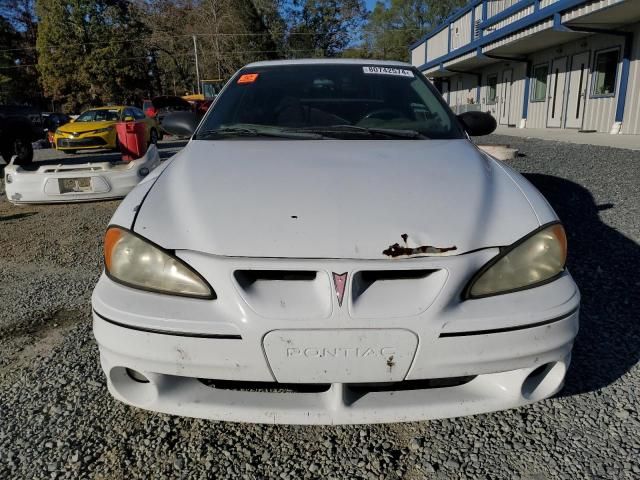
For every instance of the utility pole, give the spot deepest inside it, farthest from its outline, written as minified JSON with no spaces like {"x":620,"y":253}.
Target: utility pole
{"x":195,"y":53}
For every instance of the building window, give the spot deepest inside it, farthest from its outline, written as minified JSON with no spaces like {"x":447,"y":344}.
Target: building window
{"x":492,"y":84}
{"x":605,"y":72}
{"x":539,"y":87}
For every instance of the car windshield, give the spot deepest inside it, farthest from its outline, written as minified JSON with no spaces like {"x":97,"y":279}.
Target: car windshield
{"x":102,"y":115}
{"x":346,"y":101}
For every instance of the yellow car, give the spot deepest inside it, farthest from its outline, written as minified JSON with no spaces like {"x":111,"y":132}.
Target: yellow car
{"x":96,"y":129}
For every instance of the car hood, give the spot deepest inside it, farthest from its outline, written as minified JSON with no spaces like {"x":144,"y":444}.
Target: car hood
{"x":334,"y":199}
{"x":81,"y":127}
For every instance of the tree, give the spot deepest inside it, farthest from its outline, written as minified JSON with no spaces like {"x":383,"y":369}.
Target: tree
{"x":8,"y":37}
{"x":238,"y":32}
{"x":395,"y":24}
{"x":90,"y":52}
{"x":229,"y":34}
{"x":18,"y":74}
{"x":323,"y":27}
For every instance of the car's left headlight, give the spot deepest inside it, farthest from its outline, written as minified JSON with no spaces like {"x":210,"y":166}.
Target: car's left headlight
{"x":102,"y":130}
{"x":534,"y":260}
{"x":136,"y":262}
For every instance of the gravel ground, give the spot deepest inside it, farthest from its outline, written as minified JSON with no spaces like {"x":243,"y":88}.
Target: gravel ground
{"x":58,"y":421}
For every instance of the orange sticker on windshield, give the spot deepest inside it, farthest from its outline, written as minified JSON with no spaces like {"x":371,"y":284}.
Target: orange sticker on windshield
{"x":247,"y":78}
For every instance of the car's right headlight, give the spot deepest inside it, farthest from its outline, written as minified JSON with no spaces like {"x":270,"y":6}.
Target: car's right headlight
{"x":133,"y":261}
{"x":536,"y":259}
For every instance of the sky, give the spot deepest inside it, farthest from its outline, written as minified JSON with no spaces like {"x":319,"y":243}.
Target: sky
{"x":370,"y":4}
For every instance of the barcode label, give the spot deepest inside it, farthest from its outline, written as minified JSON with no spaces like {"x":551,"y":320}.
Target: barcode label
{"x":398,"y":72}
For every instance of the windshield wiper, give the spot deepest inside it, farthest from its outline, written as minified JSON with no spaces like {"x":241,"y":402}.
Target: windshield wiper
{"x":257,"y":132}
{"x":387,"y":132}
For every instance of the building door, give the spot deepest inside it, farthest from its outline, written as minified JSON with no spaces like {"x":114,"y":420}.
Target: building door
{"x":577,"y":93}
{"x":556,"y":92}
{"x":505,"y":98}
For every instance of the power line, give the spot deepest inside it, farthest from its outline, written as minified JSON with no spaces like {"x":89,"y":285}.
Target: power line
{"x":190,"y":54}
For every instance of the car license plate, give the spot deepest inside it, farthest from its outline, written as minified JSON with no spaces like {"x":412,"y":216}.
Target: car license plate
{"x":75,"y":185}
{"x":340,"y":356}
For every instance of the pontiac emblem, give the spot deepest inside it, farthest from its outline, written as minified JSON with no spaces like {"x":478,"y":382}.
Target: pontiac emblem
{"x":340,"y":283}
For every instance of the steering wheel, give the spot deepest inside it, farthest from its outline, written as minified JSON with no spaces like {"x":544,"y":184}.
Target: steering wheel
{"x":384,"y":114}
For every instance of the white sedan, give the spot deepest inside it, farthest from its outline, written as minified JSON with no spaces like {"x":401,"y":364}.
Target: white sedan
{"x":330,"y":247}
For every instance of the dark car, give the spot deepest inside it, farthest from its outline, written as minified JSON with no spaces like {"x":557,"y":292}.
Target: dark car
{"x":162,"y":105}
{"x":19,"y":127}
{"x":51,"y":121}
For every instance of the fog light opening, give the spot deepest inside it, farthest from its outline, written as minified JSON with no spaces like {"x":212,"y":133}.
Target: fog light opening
{"x":544,"y":381}
{"x":132,"y":386}
{"x":8,"y":178}
{"x":136,"y":376}
{"x":143,"y":172}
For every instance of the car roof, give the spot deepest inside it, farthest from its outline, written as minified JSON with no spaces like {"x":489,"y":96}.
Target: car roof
{"x":331,"y":61}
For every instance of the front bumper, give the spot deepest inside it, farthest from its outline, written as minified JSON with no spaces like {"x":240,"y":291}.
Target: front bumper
{"x":86,"y":141}
{"x":73,"y":182}
{"x":82,"y":143}
{"x":470,"y":356}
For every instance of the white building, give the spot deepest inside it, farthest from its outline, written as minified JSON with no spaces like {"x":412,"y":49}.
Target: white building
{"x":540,"y":63}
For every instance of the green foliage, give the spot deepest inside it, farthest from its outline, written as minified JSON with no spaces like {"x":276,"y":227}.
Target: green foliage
{"x":396,"y":24}
{"x":18,"y":74}
{"x":112,"y":51}
{"x":229,"y":34}
{"x":323,"y":27}
{"x":90,"y":52}
{"x":8,"y":37}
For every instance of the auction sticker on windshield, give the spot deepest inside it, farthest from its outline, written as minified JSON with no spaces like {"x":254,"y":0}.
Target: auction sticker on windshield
{"x":400,"y":72}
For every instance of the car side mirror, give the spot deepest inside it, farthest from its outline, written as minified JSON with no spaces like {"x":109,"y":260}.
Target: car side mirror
{"x":180,"y":124}
{"x":478,"y":123}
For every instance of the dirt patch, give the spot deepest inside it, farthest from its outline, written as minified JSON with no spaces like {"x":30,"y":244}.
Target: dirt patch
{"x":24,"y":347}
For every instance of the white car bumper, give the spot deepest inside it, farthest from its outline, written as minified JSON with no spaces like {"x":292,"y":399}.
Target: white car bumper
{"x":77,"y":182}
{"x":243,"y":357}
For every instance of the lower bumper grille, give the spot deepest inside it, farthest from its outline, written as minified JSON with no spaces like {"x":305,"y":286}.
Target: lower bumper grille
{"x":81,"y":142}
{"x":266,"y":387}
{"x":360,"y":388}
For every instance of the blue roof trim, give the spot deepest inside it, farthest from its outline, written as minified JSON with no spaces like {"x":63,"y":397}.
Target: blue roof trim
{"x":445,"y":23}
{"x":507,"y":12}
{"x":536,"y":17}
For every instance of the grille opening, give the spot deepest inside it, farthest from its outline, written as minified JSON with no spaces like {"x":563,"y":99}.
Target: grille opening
{"x":246,"y":278}
{"x":265,"y":387}
{"x":408,"y":385}
{"x":68,"y":170}
{"x":363,"y":280}
{"x":285,"y":294}
{"x":374,"y":275}
{"x":359,"y":389}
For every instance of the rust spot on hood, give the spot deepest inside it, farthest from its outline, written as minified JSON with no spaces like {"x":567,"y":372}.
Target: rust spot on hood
{"x":397,"y":250}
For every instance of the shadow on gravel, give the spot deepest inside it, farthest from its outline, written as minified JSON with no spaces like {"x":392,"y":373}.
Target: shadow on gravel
{"x":605,"y":265}
{"x":16,"y":216}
